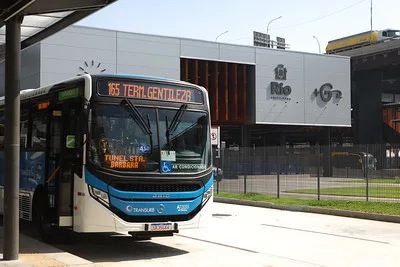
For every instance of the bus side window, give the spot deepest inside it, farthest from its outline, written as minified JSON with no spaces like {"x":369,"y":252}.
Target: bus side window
{"x":39,"y":127}
{"x":2,"y":129}
{"x":384,"y":34}
{"x":24,"y":131}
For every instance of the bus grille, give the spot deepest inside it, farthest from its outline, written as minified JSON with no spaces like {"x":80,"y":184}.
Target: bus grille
{"x":157,"y":187}
{"x":25,"y":206}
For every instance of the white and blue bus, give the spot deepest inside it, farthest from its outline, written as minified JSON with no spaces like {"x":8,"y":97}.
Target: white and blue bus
{"x":114,"y":153}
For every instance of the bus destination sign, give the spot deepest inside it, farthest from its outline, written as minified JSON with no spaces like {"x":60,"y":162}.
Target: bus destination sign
{"x":150,"y":91}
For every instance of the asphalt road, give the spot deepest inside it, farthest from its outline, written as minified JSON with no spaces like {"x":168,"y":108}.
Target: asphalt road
{"x":249,"y":236}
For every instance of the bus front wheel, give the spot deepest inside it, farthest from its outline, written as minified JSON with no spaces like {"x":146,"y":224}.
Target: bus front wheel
{"x":40,"y":218}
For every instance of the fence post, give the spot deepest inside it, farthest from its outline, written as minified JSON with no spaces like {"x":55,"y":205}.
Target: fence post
{"x":245,"y":184}
{"x":245,"y":170}
{"x":278,"y":171}
{"x":366,"y":172}
{"x":318,"y":166}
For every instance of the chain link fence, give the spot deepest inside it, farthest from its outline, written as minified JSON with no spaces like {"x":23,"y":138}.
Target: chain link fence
{"x":362,"y":172}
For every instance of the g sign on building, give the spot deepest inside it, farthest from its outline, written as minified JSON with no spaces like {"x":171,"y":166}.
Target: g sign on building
{"x":326,"y":92}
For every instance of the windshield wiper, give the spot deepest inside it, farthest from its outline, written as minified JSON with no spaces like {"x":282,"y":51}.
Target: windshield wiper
{"x":176,"y":119}
{"x":135,"y":114}
{"x":174,"y":124}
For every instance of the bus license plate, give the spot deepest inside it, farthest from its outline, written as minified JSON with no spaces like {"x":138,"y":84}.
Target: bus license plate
{"x":157,"y":227}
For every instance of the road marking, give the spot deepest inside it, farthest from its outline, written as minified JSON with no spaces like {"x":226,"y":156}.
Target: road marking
{"x":323,"y":233}
{"x":249,"y":250}
{"x":217,"y":243}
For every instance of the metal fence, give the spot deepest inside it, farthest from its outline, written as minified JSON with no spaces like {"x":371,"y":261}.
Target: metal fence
{"x":362,"y":172}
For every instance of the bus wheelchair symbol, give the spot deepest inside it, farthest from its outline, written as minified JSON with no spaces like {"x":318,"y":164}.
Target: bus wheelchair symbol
{"x":166,"y":167}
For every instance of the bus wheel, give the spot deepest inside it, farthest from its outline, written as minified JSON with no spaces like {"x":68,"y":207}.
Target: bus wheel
{"x":40,"y":218}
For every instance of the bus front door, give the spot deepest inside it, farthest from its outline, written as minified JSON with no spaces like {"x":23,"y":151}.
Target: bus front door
{"x":63,"y":124}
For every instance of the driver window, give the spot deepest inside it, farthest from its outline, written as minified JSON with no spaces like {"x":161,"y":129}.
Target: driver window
{"x":39,"y":129}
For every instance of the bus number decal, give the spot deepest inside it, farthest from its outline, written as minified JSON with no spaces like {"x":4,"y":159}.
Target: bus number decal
{"x":150,"y":91}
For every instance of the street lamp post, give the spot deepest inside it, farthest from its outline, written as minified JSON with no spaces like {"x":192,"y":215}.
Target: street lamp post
{"x":319,"y":47}
{"x":272,"y":21}
{"x":220,"y":35}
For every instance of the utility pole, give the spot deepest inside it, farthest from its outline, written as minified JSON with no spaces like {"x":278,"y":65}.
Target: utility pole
{"x":371,"y":15}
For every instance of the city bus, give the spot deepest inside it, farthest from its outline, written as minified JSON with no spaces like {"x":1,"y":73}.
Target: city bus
{"x":114,"y":153}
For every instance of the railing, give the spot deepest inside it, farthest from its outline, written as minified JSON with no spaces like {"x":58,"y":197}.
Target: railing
{"x":362,"y":172}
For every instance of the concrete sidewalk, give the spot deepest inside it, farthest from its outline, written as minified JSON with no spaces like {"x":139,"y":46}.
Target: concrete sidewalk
{"x":35,"y":253}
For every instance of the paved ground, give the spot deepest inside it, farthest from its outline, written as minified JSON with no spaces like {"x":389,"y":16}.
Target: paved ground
{"x":238,"y":236}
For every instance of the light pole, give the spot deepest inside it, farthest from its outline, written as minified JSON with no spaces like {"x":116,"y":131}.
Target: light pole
{"x":319,"y":47}
{"x":272,"y":21}
{"x":220,"y":35}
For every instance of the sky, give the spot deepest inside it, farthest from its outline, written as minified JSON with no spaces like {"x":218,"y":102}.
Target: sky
{"x":206,"y":19}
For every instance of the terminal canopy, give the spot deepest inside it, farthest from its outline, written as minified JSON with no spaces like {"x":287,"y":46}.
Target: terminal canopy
{"x":43,"y":18}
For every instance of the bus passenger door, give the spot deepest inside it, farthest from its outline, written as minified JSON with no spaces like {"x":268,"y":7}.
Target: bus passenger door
{"x":61,"y":164}
{"x":69,"y":161}
{"x":53,"y":162}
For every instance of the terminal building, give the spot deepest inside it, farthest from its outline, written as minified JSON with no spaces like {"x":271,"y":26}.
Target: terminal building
{"x":375,"y":75}
{"x":258,"y":96}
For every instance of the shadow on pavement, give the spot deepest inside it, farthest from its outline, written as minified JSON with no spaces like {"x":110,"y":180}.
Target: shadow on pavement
{"x":92,"y":247}
{"x":108,"y":248}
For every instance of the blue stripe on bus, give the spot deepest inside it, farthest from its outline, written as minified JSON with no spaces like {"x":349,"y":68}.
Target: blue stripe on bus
{"x":209,"y":183}
{"x":95,"y":182}
{"x":155,"y":208}
{"x":92,"y":180}
{"x":161,"y":195}
{"x":155,"y":195}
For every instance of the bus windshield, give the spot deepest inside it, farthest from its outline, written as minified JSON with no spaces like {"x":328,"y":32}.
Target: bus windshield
{"x":185,"y":134}
{"x":126,"y":137}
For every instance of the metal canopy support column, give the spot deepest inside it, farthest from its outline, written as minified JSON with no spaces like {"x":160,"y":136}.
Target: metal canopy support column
{"x":12,"y":135}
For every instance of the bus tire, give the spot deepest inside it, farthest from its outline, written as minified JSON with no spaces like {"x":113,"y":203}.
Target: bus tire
{"x":40,"y":207}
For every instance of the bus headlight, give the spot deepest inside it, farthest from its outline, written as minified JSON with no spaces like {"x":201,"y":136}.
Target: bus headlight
{"x":207,"y":195}
{"x":99,"y":195}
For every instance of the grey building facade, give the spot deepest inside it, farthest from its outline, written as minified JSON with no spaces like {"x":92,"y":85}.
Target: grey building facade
{"x":287,"y":89}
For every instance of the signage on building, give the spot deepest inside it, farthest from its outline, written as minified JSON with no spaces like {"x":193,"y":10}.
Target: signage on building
{"x":215,"y":135}
{"x":261,"y":39}
{"x":91,"y":68}
{"x":278,"y":90}
{"x":280,"y":43}
{"x":326,"y":92}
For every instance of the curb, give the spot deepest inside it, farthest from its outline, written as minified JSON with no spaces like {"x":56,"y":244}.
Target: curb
{"x":343,"y":213}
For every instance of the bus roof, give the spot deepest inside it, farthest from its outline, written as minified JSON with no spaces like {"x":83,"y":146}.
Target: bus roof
{"x":32,"y":92}
{"x":136,"y":76}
